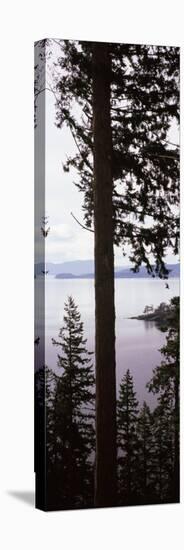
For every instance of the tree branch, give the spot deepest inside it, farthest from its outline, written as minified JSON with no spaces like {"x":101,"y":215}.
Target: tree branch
{"x":83,"y":226}
{"x":84,"y":158}
{"x":43,"y":90}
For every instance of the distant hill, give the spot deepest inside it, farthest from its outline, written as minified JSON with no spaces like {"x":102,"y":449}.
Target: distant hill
{"x":84,"y":269}
{"x":74,"y":268}
{"x":142,"y":273}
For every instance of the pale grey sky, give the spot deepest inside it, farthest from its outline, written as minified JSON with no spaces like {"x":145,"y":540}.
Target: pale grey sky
{"x":66,"y":240}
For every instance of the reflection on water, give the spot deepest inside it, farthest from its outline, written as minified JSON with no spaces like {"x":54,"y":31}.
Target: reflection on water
{"x":149,"y":324}
{"x":137,"y":342}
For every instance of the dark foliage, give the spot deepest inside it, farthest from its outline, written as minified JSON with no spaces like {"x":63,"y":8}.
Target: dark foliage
{"x":69,"y":410}
{"x":127,"y":414}
{"x":148,"y":441}
{"x":165,"y":383}
{"x":145,"y":165}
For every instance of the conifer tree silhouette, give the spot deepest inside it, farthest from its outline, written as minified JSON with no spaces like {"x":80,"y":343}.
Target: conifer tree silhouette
{"x":127,"y":417}
{"x":74,"y":413}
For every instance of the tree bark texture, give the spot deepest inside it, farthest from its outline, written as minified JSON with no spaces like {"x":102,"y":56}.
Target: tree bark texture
{"x":105,"y":474}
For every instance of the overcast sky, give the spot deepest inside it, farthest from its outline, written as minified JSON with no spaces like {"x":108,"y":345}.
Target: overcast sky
{"x":67,"y":240}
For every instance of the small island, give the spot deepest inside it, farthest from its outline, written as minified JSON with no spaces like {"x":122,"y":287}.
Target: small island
{"x":160,"y":315}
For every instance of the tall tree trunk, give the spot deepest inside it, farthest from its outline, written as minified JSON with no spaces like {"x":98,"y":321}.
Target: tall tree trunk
{"x":105,"y":475}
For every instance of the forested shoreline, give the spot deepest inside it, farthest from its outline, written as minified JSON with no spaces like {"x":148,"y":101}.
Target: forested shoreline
{"x":147,"y":440}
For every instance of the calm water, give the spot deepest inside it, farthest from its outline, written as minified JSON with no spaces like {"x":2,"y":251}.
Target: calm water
{"x":137,"y":344}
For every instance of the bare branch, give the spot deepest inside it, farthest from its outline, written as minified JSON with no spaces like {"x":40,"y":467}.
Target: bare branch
{"x":84,"y":158}
{"x":171,"y":143}
{"x":57,"y":42}
{"x":83,"y":226}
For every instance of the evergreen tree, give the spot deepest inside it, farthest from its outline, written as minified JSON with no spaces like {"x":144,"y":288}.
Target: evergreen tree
{"x":144,"y":102}
{"x":45,"y":385}
{"x":45,"y":437}
{"x":163,"y":455}
{"x":145,"y":462}
{"x":138,"y":95}
{"x":127,"y":97}
{"x":165,"y":383}
{"x":127,"y":417}
{"x":74,"y":413}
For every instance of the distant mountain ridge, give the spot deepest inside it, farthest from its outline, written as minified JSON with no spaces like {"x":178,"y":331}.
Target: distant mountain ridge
{"x":142,"y":273}
{"x":84,"y":269}
{"x":74,"y":267}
